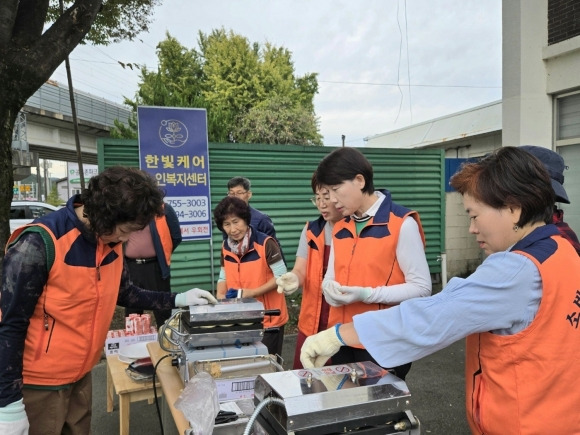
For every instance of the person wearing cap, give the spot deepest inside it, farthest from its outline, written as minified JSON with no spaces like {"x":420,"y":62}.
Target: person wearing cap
{"x":554,"y":164}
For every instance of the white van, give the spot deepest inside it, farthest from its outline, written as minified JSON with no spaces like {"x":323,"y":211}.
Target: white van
{"x":24,"y":212}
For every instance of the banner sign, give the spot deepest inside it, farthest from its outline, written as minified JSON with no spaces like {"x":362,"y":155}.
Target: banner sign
{"x":173,"y":148}
{"x":74,"y":177}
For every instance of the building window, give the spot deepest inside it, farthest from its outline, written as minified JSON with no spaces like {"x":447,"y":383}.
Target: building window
{"x":568,"y":118}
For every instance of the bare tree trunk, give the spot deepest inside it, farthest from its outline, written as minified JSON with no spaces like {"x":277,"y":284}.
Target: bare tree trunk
{"x":28,"y":56}
{"x":8,"y":118}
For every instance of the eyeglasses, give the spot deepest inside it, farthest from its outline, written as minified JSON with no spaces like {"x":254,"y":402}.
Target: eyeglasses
{"x":238,"y":193}
{"x":317,"y":200}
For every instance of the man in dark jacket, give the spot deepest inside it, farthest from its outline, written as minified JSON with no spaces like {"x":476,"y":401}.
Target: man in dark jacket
{"x":241,"y":188}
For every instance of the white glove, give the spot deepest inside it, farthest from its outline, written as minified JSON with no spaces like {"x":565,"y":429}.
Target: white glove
{"x":318,"y":348}
{"x":288,"y":283}
{"x":349,"y":294}
{"x":13,"y":419}
{"x":195,"y":296}
{"x":331,"y":290}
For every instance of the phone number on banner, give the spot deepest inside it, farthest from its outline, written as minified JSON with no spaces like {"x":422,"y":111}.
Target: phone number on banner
{"x":190,"y":208}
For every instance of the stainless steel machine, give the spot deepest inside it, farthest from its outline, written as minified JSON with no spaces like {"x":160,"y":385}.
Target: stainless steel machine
{"x":360,"y":398}
{"x":224,"y":340}
{"x":230,"y":322}
{"x":232,"y":328}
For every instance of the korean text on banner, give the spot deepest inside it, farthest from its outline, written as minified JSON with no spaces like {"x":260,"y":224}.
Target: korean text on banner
{"x":173,"y":148}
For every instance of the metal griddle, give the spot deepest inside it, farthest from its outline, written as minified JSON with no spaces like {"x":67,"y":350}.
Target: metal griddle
{"x":357,"y":397}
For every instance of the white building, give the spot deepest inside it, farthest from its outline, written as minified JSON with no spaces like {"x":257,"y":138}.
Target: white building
{"x":540,"y":106}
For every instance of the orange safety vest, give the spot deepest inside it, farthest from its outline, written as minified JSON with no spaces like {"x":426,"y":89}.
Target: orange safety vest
{"x":251,"y":270}
{"x":165,"y":238}
{"x":69,"y":325}
{"x":527,"y":383}
{"x":309,"y":317}
{"x":368,"y":259}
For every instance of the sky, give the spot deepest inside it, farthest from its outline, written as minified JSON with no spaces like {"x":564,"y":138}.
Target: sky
{"x":382,"y":65}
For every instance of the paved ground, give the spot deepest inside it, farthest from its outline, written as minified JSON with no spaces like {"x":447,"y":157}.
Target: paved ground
{"x":435,"y":382}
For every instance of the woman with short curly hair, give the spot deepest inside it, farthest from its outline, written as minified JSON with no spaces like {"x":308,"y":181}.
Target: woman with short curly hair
{"x":63,"y":275}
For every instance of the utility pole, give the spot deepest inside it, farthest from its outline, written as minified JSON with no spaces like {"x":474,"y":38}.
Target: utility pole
{"x":74,"y":115}
{"x":46,"y":182}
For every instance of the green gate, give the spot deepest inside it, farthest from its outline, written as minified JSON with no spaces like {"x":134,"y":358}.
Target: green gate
{"x":280,"y":176}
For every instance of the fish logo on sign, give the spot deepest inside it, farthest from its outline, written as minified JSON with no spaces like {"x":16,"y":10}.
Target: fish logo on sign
{"x":173,"y":133}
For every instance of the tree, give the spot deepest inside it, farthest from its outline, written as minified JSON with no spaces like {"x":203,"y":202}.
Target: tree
{"x":53,"y":197}
{"x":278,"y":121}
{"x":29,"y":54}
{"x":232,"y":79}
{"x":126,"y":131}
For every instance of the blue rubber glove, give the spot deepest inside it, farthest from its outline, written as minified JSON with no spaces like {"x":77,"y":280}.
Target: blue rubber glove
{"x":13,"y":419}
{"x":233,"y":293}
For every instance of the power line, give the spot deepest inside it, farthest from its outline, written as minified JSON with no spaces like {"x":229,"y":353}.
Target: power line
{"x":116,"y":62}
{"x":399,"y":65}
{"x":78,"y":59}
{"x":408,"y":66}
{"x":410,"y":85}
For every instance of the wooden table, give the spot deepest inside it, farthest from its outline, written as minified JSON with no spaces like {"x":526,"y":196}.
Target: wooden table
{"x":171,"y":383}
{"x":127,"y":389}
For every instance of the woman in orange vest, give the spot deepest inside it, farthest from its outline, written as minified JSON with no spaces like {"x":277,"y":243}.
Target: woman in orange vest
{"x":377,"y":258}
{"x":250,"y":263}
{"x":148,"y":255}
{"x":63,"y":275}
{"x":520,"y":310}
{"x":310,"y":267}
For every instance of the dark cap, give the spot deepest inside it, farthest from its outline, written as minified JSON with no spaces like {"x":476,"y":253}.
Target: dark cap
{"x":554,"y":164}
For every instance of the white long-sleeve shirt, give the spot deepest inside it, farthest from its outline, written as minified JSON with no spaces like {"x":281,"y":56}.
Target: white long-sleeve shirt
{"x":410,"y":254}
{"x":503,"y":296}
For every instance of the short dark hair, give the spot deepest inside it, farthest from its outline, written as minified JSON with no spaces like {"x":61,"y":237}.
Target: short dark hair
{"x":121,"y":195}
{"x":344,"y":164}
{"x":314,"y":184}
{"x":239,"y":181}
{"x":509,"y":177}
{"x":231,"y":205}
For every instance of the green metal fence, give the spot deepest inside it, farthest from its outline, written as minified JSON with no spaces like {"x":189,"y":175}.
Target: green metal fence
{"x":280,"y":176}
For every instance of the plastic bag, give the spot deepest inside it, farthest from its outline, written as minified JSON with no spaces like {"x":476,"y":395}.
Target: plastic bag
{"x":199,"y":403}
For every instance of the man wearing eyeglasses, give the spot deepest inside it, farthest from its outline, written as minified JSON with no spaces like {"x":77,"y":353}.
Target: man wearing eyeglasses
{"x":241,"y":188}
